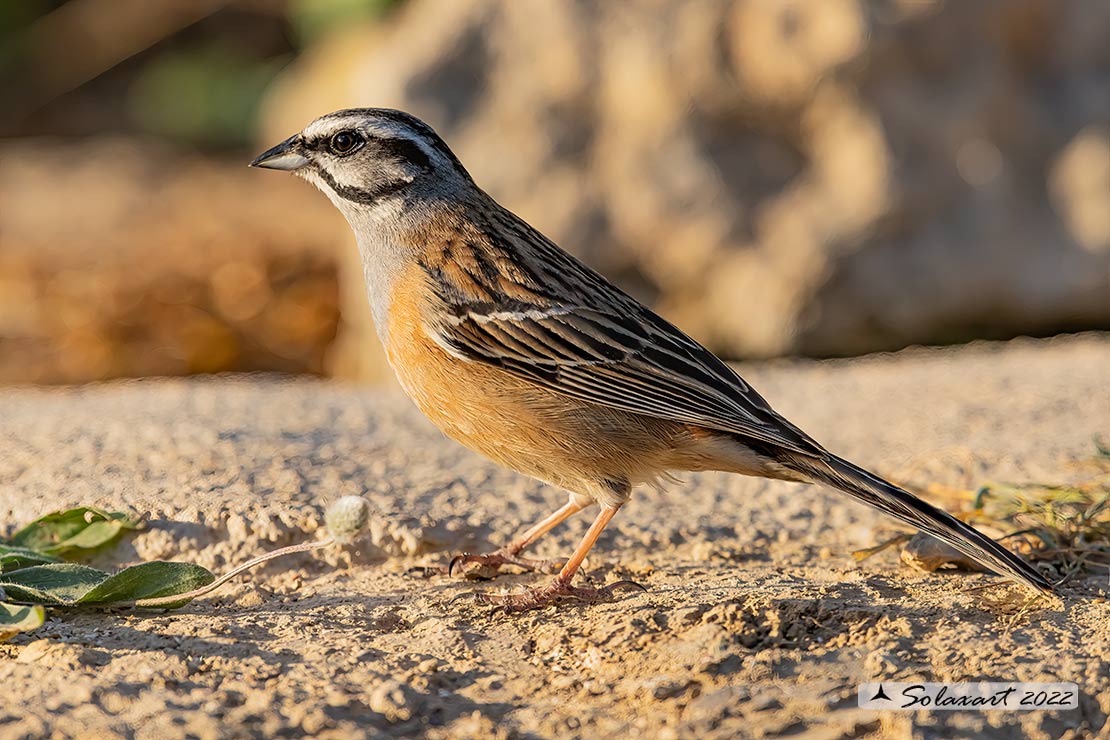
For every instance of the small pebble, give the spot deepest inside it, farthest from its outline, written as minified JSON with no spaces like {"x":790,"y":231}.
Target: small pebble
{"x":347,"y":518}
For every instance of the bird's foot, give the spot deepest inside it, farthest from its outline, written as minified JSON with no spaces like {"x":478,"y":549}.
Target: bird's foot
{"x":485,"y":567}
{"x":557,"y":592}
{"x":475,"y":567}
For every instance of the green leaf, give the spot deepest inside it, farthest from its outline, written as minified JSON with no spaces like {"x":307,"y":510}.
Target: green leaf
{"x":15,"y":619}
{"x":70,"y":584}
{"x":82,"y":528}
{"x":14,"y":558}
{"x":56,"y":584}
{"x":48,"y":530}
{"x":147,"y":581}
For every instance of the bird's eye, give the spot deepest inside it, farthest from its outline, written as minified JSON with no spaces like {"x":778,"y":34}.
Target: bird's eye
{"x":345,"y":142}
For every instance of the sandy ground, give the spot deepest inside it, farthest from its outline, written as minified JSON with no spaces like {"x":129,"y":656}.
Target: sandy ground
{"x":756,"y":623}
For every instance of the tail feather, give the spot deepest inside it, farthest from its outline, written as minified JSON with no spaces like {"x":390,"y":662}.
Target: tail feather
{"x":903,"y":505}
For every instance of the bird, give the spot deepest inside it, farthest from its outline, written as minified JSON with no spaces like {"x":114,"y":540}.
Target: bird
{"x":523,"y":353}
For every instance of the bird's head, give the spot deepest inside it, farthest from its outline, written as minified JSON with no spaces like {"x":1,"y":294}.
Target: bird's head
{"x":369,"y":159}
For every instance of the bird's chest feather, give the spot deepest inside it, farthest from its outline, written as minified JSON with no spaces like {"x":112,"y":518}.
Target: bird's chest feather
{"x":464,"y":399}
{"x":514,"y":422}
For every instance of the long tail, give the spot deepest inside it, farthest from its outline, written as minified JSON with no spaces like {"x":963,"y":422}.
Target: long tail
{"x":903,"y":505}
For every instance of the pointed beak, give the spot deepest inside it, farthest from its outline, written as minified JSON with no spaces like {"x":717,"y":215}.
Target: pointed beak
{"x":286,"y":156}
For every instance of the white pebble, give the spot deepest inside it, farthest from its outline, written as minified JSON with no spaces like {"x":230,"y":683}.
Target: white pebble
{"x":347,"y":518}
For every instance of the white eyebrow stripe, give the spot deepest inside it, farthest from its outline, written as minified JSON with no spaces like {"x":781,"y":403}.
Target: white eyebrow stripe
{"x":532,"y":314}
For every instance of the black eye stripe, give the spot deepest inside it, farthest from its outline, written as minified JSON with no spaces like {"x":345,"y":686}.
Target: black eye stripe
{"x":427,"y":134}
{"x":401,"y":148}
{"x":407,"y":150}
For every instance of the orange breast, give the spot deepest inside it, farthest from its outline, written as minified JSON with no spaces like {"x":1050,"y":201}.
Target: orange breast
{"x":569,"y":443}
{"x":480,"y":406}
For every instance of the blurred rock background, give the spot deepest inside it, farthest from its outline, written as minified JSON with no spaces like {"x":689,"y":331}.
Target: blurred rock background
{"x":817,"y":177}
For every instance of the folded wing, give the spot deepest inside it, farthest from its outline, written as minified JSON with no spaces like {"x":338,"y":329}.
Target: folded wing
{"x":638,"y":363}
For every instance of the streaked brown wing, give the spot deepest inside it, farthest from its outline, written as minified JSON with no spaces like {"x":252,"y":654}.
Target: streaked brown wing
{"x":636,"y":362}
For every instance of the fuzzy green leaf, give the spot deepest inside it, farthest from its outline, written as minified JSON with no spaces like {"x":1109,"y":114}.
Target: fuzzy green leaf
{"x":70,"y":584}
{"x":56,"y":584}
{"x":14,"y":558}
{"x":82,"y":528}
{"x":15,"y":618}
{"x":147,"y":581}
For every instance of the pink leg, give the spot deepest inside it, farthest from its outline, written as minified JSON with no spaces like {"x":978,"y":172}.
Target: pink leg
{"x":489,"y":565}
{"x":560,"y":589}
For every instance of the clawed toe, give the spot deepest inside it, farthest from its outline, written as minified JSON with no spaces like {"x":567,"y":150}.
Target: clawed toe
{"x":558,"y":592}
{"x":427,"y":571}
{"x":474,"y":567}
